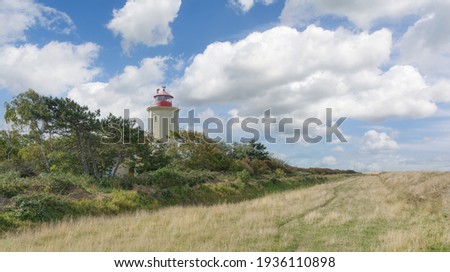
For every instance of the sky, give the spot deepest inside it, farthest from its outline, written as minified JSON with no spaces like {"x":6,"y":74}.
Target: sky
{"x":384,"y":65}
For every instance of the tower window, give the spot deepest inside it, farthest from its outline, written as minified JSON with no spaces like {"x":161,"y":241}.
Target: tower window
{"x":156,"y":119}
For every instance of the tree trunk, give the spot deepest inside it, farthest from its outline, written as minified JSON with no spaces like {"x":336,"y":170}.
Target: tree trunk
{"x":44,"y":155}
{"x":82,"y":155}
{"x":93,"y":160}
{"x":119,"y":161}
{"x":41,"y":146}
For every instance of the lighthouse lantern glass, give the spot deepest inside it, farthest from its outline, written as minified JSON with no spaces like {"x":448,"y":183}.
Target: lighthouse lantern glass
{"x":163,"y":98}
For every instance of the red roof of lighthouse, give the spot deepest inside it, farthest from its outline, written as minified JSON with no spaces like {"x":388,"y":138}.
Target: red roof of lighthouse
{"x":162,"y":92}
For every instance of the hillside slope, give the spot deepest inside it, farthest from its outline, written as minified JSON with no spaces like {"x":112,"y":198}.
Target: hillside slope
{"x":377,"y":212}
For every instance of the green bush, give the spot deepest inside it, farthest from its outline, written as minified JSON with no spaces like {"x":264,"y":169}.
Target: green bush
{"x":260,"y":167}
{"x":117,"y":183}
{"x":239,"y":165}
{"x":326,"y":171}
{"x":60,"y":186}
{"x":277,"y":175}
{"x":243,"y":175}
{"x":124,"y":201}
{"x":41,"y":207}
{"x":6,"y":223}
{"x":164,"y":177}
{"x":89,"y":207}
{"x":12,"y":187}
{"x":9,"y":175}
{"x":20,"y":167}
{"x":169,"y":177}
{"x":197,"y":177}
{"x":116,"y":202}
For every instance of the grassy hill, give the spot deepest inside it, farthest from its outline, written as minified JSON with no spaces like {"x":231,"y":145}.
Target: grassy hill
{"x":376,"y":212}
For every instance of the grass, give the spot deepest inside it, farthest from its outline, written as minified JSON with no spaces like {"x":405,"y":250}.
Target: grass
{"x":27,"y":202}
{"x":378,"y":212}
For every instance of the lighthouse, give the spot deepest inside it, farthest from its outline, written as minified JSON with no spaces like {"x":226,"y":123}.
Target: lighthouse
{"x":163,"y":116}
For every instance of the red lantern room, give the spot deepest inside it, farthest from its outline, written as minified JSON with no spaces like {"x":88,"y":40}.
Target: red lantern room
{"x":163,"y":98}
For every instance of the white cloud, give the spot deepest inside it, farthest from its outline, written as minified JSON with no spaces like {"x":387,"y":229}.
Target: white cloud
{"x":246,"y":5}
{"x":133,"y":89}
{"x":329,"y":160}
{"x":338,"y":149}
{"x":144,"y":22}
{"x":426,"y":44}
{"x":365,"y":167}
{"x":362,"y":13}
{"x":378,"y":142}
{"x":302,"y":73}
{"x":19,"y":16}
{"x":51,"y":70}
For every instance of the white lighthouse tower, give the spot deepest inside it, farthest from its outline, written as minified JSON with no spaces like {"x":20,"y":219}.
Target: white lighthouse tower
{"x":163,"y":115}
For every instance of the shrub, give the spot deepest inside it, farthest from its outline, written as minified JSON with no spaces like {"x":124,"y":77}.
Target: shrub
{"x":326,"y":171}
{"x":124,"y":200}
{"x":89,"y":207}
{"x":20,"y":167}
{"x":275,"y":164}
{"x":6,"y":223}
{"x":9,"y":175}
{"x":197,"y":177}
{"x":243,"y":175}
{"x":59,"y":185}
{"x":259,"y":167}
{"x":125,"y":183}
{"x":12,"y":187}
{"x":279,"y":173}
{"x":166,"y":177}
{"x":239,"y":165}
{"x":145,"y":179}
{"x":169,"y":177}
{"x":41,"y":207}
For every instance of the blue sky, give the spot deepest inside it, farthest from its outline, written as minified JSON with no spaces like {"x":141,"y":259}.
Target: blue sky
{"x":385,"y":65}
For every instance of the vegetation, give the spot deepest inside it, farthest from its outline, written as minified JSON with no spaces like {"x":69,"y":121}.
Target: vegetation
{"x":59,"y":169}
{"x":28,"y":201}
{"x":57,"y":135}
{"x":61,"y":160}
{"x":382,"y":212}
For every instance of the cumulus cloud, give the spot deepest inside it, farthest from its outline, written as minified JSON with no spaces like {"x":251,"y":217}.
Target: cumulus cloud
{"x":144,"y":22}
{"x":366,"y":166}
{"x":378,"y":142}
{"x":329,"y":160}
{"x":245,"y":5}
{"x":301,"y":73}
{"x":362,"y":13}
{"x":19,"y":16}
{"x":52,"y":69}
{"x":338,"y":149}
{"x":426,"y":44}
{"x":132,"y":89}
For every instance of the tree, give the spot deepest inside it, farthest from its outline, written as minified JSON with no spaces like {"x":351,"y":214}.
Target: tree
{"x":258,"y":151}
{"x":118,"y":137}
{"x":28,"y":111}
{"x":252,"y":150}
{"x":197,"y":151}
{"x":64,"y":155}
{"x":10,"y":143}
{"x":71,"y":118}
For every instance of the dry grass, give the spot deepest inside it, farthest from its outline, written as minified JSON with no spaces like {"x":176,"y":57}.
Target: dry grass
{"x":375,"y":212}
